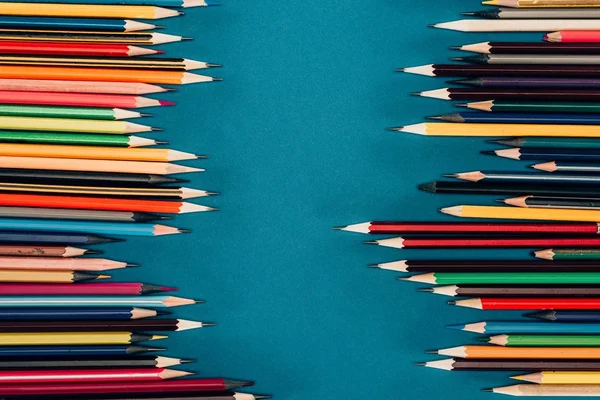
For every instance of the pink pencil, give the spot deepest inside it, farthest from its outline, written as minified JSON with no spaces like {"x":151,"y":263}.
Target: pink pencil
{"x":80,"y":289}
{"x":60,"y":264}
{"x":80,"y":99}
{"x":36,"y":85}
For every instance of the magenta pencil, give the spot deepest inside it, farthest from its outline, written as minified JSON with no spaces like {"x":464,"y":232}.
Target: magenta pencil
{"x":81,"y":289}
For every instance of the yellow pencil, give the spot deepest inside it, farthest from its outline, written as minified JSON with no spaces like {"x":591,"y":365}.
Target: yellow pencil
{"x":94,"y":152}
{"x":496,"y":130}
{"x":543,"y":3}
{"x":72,"y":338}
{"x":72,"y":125}
{"x":85,"y":11}
{"x":541,"y":214}
{"x":562,"y":377}
{"x":33,"y":276}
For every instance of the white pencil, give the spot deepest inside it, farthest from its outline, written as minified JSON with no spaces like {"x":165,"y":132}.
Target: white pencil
{"x":519,"y":25}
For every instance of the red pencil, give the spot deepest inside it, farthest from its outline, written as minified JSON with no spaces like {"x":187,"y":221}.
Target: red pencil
{"x":90,"y":375}
{"x":103,"y":203}
{"x":73,"y":388}
{"x":73,"y":49}
{"x":508,"y":303}
{"x":573,"y":36}
{"x":79,"y":99}
{"x":83,"y":289}
{"x":443,"y":242}
{"x":378,"y":227}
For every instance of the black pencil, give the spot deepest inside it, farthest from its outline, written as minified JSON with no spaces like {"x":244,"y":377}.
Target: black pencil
{"x":523,"y":189}
{"x":53,"y":238}
{"x":523,"y":71}
{"x":84,"y":178}
{"x":459,"y":364}
{"x":487,"y":266}
{"x":70,"y":362}
{"x":515,"y":291}
{"x":554,"y":202}
{"x":155,"y":396}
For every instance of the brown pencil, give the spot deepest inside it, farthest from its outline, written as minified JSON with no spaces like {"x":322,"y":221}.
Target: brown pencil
{"x":44,"y":251}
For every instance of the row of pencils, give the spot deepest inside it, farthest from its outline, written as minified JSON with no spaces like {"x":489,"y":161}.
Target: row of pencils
{"x":75,"y":173}
{"x":541,"y":101}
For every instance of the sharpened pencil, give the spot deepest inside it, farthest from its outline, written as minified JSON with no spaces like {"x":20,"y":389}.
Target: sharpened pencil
{"x":90,"y":362}
{"x":168,"y":64}
{"x":573,"y":36}
{"x":181,"y":396}
{"x":518,"y":118}
{"x":44,"y":251}
{"x":522,"y":71}
{"x":479,"y":176}
{"x":538,"y":59}
{"x":554,"y":202}
{"x":109,"y":114}
{"x":71,"y":125}
{"x":459,"y":364}
{"x":53,"y":238}
{"x":543,"y":3}
{"x":541,"y":13}
{"x":133,"y":38}
{"x":503,"y":303}
{"x":33,"y":276}
{"x":73,"y":338}
{"x":493,"y":212}
{"x":499,"y":352}
{"x":82,"y":289}
{"x":83,"y":178}
{"x":57,"y":351}
{"x":522,"y":327}
{"x":156,"y":301}
{"x":589,"y":155}
{"x":517,"y":25}
{"x":522,"y":189}
{"x":77,"y":215}
{"x":142,"y":325}
{"x":550,"y":143}
{"x":90,"y":375}
{"x":77,"y":313}
{"x":61,"y":264}
{"x":73,"y":139}
{"x":86,"y":11}
{"x":478,"y":241}
{"x":561,"y":377}
{"x":487,"y":266}
{"x":531,"y":390}
{"x":568,"y":254}
{"x":513,"y":340}
{"x":506,"y":278}
{"x":158,"y":3}
{"x":70,"y":24}
{"x":534,"y":83}
{"x":566,"y":316}
{"x":96,"y":100}
{"x":495,"y":130}
{"x":155,"y":192}
{"x":566,"y":166}
{"x":58,"y":86}
{"x":515,"y":291}
{"x":516,"y":94}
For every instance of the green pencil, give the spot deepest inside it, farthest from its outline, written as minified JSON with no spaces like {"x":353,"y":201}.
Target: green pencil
{"x":550,"y":143}
{"x":514,"y":278}
{"x":543,"y":340}
{"x":112,"y":114}
{"x":533,"y":106}
{"x":568,"y":254}
{"x":76,"y":139}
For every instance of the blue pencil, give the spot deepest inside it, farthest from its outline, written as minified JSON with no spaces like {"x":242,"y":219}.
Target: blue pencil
{"x":158,"y":3}
{"x":505,"y":327}
{"x":59,"y":351}
{"x":523,"y":177}
{"x":77,"y":313}
{"x":74,"y":24}
{"x":520,"y":118}
{"x":567,"y":316}
{"x":53,"y":238}
{"x":541,"y":154}
{"x":103,"y":228}
{"x":94,"y":301}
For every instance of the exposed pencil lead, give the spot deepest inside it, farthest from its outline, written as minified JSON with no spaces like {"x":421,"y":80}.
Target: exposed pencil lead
{"x":488,"y":152}
{"x":131,"y":265}
{"x":419,"y":364}
{"x":372,"y":265}
{"x":170,"y":89}
{"x":431,"y":352}
{"x":155,"y":349}
{"x":487,"y":390}
{"x":450,"y":175}
{"x":499,"y":201}
{"x":161,"y":142}
{"x":468,"y":13}
{"x":187,"y":361}
{"x":145,"y":115}
{"x":455,"y":47}
{"x":483,"y":339}
{"x":212,"y":65}
{"x":371,"y":242}
{"x":217,"y":79}
{"x":157,"y":129}
{"x":415,"y":94}
{"x":93,"y":252}
{"x":184,"y":230}
{"x":208,"y":324}
{"x":461,"y":105}
{"x":180,"y":13}
{"x":431,"y":25}
{"x":261,"y":396}
{"x":200,"y":156}
{"x":452,"y":303}
{"x":427,"y":290}
{"x":436,"y":117}
{"x":339,"y":228}
{"x":187,"y":38}
{"x":199,"y":301}
{"x":457,"y":58}
{"x":159,"y":27}
{"x":394,"y":128}
{"x":164,"y":217}
{"x":212,"y":193}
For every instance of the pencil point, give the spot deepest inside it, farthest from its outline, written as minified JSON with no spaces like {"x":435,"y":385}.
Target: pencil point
{"x":457,"y":58}
{"x":162,"y":312}
{"x":455,"y":47}
{"x":461,"y":105}
{"x":450,"y":175}
{"x":187,"y":38}
{"x":204,"y":324}
{"x":187,"y":361}
{"x":217,"y":79}
{"x":468,"y":14}
{"x":372,"y":265}
{"x":452,"y":303}
{"x":395,"y":129}
{"x":145,"y":115}
{"x":200,"y":157}
{"x":415,"y":94}
{"x":212,"y":193}
{"x":431,"y":352}
{"x":199,"y":301}
{"x":161,"y":142}
{"x":487,"y":390}
{"x":431,"y":25}
{"x":488,"y":152}
{"x":184,"y":230}
{"x":93,"y":252}
{"x":419,"y":364}
{"x":156,"y":129}
{"x":212,"y":65}
{"x":435,"y":117}
{"x":131,"y":265}
{"x":427,"y":290}
{"x":371,"y":242}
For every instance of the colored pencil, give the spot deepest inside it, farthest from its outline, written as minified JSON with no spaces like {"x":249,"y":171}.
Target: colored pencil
{"x":170,"y":64}
{"x":515,"y":25}
{"x":57,"y":351}
{"x":518,"y":118}
{"x":521,"y":71}
{"x":90,"y":375}
{"x":543,"y":328}
{"x":84,"y":178}
{"x":483,"y":130}
{"x":548,"y":390}
{"x":164,"y":387}
{"x":445,"y":187}
{"x":74,"y":24}
{"x":109,"y":114}
{"x":72,"y":125}
{"x":28,"y":276}
{"x":518,"y":106}
{"x":568,"y":254}
{"x":76,"y":87}
{"x":82,"y":289}
{"x":77,"y":313}
{"x":76,"y":139}
{"x":478,"y":176}
{"x":510,"y":94}
{"x":102,"y":74}
{"x":536,"y":83}
{"x":506,"y":278}
{"x":159,"y":3}
{"x":104,"y":228}
{"x":94,"y":152}
{"x":561,"y":377}
{"x":87,"y":11}
{"x":144,"y":325}
{"x":476,"y":352}
{"x":61,"y":264}
{"x":90,"y":362}
{"x":554,"y":202}
{"x":156,"y":192}
{"x":566,"y":166}
{"x":566,"y":316}
{"x":544,"y":340}
{"x":73,"y":338}
{"x":493,"y":212}
{"x":479,"y":241}
{"x":491,"y":303}
{"x":578,"y":36}
{"x":389,"y":227}
{"x":44,"y":251}
{"x":542,"y":3}
{"x":175,"y":396}
{"x":99,"y":203}
{"x":552,"y":59}
{"x":116,"y":166}
{"x":37,"y":238}
{"x":134,"y":38}
{"x":513,"y":291}
{"x":550,"y":143}
{"x":158,"y":301}
{"x":486,"y":266}
{"x":459,"y":364}
{"x":510,"y":13}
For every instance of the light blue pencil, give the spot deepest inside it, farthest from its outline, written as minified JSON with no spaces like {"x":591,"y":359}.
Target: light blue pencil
{"x":506,"y":327}
{"x":104,"y":228}
{"x":94,"y":301}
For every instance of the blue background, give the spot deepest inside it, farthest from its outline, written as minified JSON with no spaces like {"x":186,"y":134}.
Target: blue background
{"x":297,"y":145}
